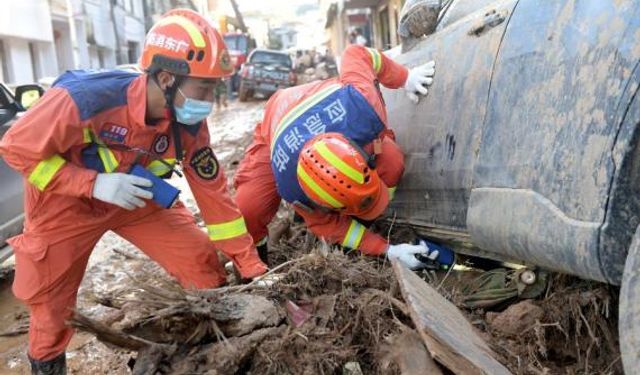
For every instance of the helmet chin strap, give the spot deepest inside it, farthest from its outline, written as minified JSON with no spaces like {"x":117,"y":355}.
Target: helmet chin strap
{"x":169,"y":97}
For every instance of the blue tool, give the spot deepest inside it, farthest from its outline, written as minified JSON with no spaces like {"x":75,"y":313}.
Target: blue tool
{"x":164,"y":193}
{"x":446,"y":256}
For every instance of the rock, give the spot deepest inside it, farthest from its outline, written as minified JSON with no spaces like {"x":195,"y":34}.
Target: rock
{"x":352,"y":368}
{"x":257,"y":312}
{"x":517,"y":318}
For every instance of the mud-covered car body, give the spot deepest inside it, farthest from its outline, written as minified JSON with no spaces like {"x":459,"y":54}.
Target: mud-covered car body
{"x":527,"y":147}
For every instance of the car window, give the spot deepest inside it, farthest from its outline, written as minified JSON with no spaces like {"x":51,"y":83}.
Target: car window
{"x":236,"y":42}
{"x":271,"y":58}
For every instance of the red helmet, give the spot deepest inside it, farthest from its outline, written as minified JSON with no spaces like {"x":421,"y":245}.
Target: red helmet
{"x":184,"y":43}
{"x":335,"y":173}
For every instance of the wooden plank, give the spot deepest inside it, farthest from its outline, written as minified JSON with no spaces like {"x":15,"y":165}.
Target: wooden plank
{"x":449,"y":337}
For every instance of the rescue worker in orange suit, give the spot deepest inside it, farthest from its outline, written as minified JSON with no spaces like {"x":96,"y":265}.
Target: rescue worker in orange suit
{"x":75,"y":148}
{"x":325,"y":148}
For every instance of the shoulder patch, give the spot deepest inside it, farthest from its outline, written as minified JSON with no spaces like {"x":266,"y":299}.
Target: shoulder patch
{"x":96,"y":91}
{"x":205,"y":163}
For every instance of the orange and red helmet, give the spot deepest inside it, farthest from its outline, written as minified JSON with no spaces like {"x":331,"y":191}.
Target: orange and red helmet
{"x":335,"y":173}
{"x":185,"y":43}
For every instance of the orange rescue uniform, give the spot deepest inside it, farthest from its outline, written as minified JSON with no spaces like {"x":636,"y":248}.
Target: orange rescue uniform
{"x":55,"y":147}
{"x":257,"y":194}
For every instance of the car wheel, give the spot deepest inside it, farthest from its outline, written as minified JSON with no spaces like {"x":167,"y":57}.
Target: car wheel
{"x":243,"y":93}
{"x":629,"y":317}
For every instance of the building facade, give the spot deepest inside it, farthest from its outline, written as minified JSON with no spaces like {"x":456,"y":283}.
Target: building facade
{"x":39,"y":39}
{"x":375,"y":20}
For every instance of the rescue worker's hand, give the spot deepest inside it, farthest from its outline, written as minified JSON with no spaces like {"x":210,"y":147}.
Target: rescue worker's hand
{"x":123,"y":190}
{"x":418,"y":79}
{"x":406,"y":254}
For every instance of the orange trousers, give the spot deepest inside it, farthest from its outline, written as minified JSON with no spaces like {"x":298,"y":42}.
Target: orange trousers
{"x":256,"y":192}
{"x":50,"y":267}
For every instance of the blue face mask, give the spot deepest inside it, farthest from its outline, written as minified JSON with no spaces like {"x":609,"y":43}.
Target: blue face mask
{"x":192,"y":111}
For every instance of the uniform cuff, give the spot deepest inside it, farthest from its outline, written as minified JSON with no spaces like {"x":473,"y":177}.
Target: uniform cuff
{"x":250,"y":266}
{"x":373,"y":244}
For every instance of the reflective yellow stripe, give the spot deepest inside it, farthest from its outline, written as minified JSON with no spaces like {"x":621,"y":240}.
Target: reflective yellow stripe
{"x":317,"y":189}
{"x":392,"y":192}
{"x":87,"y":136}
{"x":376,"y":59}
{"x":354,"y":235}
{"x":230,"y":229}
{"x":298,"y":110}
{"x":108,"y":159}
{"x":158,"y":168}
{"x":334,"y":160}
{"x":190,"y":28}
{"x":45,"y":170}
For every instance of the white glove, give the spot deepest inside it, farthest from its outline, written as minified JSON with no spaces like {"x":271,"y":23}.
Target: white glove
{"x":122,"y":190}
{"x":417,"y":80}
{"x":406,"y":254}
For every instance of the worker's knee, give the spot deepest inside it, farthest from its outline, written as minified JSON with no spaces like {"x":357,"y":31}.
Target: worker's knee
{"x":258,"y":209}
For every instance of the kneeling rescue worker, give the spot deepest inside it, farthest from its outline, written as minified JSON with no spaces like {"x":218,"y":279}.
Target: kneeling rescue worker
{"x":325,"y":148}
{"x":75,"y":148}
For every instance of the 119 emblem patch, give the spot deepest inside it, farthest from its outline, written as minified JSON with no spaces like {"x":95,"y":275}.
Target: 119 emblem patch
{"x":113,"y":133}
{"x":205,"y":163}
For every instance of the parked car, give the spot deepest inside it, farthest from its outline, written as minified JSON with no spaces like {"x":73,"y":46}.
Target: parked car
{"x":527,"y":146}
{"x":239,"y":46}
{"x":265,"y":72}
{"x":11,"y":189}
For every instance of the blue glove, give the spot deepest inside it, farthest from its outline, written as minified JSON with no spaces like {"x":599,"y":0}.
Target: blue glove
{"x":445,"y":259}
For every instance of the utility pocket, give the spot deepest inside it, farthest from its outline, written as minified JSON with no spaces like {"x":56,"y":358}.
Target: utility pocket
{"x":33,"y":272}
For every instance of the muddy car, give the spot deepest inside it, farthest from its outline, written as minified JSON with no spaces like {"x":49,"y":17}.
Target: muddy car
{"x":11,"y":208}
{"x":527,"y":148}
{"x":265,"y":72}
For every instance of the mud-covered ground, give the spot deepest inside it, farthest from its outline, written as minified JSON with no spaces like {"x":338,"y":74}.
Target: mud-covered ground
{"x":347,"y":309}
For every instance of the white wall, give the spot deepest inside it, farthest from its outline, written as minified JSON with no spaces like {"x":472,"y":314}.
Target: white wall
{"x":134,"y":30}
{"x":21,"y":64}
{"x":100,"y":17}
{"x":62,"y":40}
{"x":28,"y":19}
{"x":46,"y":54}
{"x":19,"y":59}
{"x":83,"y":46}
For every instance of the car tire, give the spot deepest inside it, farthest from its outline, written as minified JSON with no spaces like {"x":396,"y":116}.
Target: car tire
{"x":629,"y":316}
{"x":243,"y":93}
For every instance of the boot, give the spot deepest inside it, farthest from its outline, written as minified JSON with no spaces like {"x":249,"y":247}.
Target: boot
{"x":263,"y":253}
{"x":55,"y":366}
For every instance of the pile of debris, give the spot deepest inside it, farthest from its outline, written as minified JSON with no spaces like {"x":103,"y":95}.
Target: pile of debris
{"x":344,"y":313}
